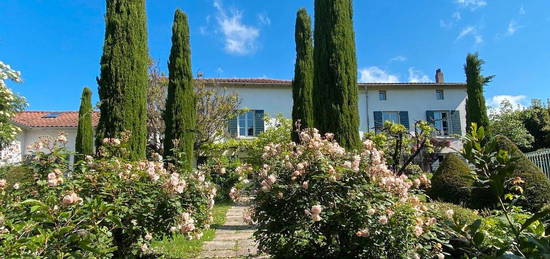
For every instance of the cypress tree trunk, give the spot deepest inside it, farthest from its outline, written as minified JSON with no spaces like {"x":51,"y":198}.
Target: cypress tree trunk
{"x":123,"y":81}
{"x":476,"y":110}
{"x":180,"y":114}
{"x":335,"y":77}
{"x":302,"y":85}
{"x":85,"y":133}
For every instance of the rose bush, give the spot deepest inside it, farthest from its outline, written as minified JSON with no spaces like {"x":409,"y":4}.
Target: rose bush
{"x":316,"y":200}
{"x":104,"y":207}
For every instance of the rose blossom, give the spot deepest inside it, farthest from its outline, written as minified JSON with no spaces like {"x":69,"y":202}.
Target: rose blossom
{"x":316,"y":209}
{"x":2,"y":184}
{"x":449,"y":213}
{"x":383,"y":220}
{"x":418,"y":231}
{"x":305,"y":185}
{"x":362,"y":233}
{"x":371,"y":211}
{"x":316,"y":217}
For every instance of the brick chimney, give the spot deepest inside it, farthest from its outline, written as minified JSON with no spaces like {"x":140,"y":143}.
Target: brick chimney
{"x":439,"y":77}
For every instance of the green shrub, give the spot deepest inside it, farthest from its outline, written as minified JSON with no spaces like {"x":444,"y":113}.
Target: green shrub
{"x":452,"y":181}
{"x":463,"y":215}
{"x":15,"y":174}
{"x":536,"y":186}
{"x":315,"y":200}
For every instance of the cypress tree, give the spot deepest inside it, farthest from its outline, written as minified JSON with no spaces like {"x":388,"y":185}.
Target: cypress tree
{"x":302,"y":85}
{"x":123,"y":81}
{"x":180,"y":113}
{"x":335,"y":76}
{"x":85,"y":133}
{"x":476,"y":110}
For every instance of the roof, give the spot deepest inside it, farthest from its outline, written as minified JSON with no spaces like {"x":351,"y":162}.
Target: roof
{"x":50,"y":119}
{"x":278,"y":82}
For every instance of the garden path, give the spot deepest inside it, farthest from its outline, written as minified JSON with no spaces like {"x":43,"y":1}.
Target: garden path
{"x":234,"y":239}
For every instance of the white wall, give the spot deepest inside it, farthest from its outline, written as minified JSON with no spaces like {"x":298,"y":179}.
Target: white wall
{"x":32,"y":135}
{"x":272,"y":100}
{"x":417,"y":101}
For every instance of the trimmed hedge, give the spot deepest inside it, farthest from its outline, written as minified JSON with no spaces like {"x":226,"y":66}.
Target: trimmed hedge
{"x":537,"y":185}
{"x":452,"y":182}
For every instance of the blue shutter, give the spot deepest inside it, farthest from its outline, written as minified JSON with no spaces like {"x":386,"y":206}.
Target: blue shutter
{"x":259,"y":122}
{"x":455,"y":123}
{"x":404,"y":119}
{"x":430,"y":117}
{"x":233,"y":130}
{"x":378,"y":123}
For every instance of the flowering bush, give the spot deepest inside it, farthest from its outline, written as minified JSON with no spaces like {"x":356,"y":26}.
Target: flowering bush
{"x":317,"y":200}
{"x":10,"y":104}
{"x":104,"y":207}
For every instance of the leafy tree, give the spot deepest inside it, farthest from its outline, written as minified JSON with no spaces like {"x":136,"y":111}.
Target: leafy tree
{"x":180,"y":114}
{"x":302,"y":85}
{"x":156,"y":103}
{"x":10,"y":104}
{"x":85,"y":133}
{"x":476,"y":110}
{"x":335,"y":76}
{"x":123,"y":81}
{"x":507,"y":122}
{"x":537,"y":121}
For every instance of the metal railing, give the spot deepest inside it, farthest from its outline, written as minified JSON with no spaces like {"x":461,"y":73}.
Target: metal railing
{"x":542,"y":159}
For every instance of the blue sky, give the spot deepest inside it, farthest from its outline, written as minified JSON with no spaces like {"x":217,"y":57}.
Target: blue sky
{"x":57,"y":44}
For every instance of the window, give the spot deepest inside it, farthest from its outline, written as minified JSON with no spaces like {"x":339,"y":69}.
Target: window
{"x":52,"y":115}
{"x":439,"y":94}
{"x":390,"y":116}
{"x":246,"y":124}
{"x":382,"y":95}
{"x":442,"y":122}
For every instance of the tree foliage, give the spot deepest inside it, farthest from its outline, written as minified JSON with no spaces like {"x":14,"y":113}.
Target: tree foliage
{"x":507,"y":121}
{"x":180,"y":114}
{"x":536,"y":119}
{"x":335,"y":76}
{"x":302,"y":85}
{"x":85,"y":133}
{"x":123,"y":81}
{"x":476,"y":110}
{"x":156,"y":103}
{"x":10,"y":104}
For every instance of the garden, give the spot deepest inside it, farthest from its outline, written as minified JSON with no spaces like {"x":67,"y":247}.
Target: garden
{"x":157,"y":176}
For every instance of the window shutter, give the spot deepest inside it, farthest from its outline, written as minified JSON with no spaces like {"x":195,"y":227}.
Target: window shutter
{"x":233,"y":127}
{"x":455,"y":123}
{"x":430,"y":117}
{"x":378,"y":123}
{"x":404,"y":119}
{"x":259,"y":122}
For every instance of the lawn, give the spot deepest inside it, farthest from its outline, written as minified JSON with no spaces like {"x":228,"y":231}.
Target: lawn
{"x":180,"y":247}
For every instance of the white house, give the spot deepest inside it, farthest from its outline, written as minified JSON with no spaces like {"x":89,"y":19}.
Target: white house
{"x":440,"y":103}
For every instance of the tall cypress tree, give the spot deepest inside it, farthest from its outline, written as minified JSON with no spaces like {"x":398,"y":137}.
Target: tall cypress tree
{"x":302,"y":85}
{"x":335,"y":77}
{"x":85,"y":132}
{"x":123,"y":81}
{"x":476,"y":109}
{"x":180,"y":114}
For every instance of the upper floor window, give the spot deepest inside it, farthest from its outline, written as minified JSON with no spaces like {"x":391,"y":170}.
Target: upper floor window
{"x":382,"y":95}
{"x":248,"y":124}
{"x":445,"y":122}
{"x":439,"y":94}
{"x":442,"y":123}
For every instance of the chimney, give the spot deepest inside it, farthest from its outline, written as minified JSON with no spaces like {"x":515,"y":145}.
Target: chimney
{"x":439,"y":77}
{"x":200,"y":75}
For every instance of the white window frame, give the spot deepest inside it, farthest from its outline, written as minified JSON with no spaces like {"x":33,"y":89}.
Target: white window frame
{"x":246,"y":126}
{"x":383,"y":93}
{"x":391,"y":112}
{"x":439,"y":94}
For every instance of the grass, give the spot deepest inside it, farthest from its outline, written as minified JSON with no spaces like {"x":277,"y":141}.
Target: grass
{"x":180,"y":247}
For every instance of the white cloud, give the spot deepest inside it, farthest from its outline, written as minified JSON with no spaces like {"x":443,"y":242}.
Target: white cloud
{"x":376,"y":75}
{"x":457,"y":16}
{"x":478,"y":39}
{"x":522,"y":10}
{"x":444,"y":24}
{"x":398,"y":59}
{"x":416,"y":76}
{"x":515,"y":100}
{"x":472,"y":4}
{"x":513,"y":27}
{"x":264,"y":19}
{"x":240,"y":39}
{"x":470,"y":30}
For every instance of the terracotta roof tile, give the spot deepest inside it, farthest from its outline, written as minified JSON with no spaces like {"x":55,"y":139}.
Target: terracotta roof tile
{"x":38,"y":119}
{"x":264,"y":81}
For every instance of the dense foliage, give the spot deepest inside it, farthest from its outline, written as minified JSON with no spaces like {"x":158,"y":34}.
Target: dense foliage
{"x":536,"y":119}
{"x":180,"y":113}
{"x":10,"y":104}
{"x":452,"y":181}
{"x":107,"y":207}
{"x":123,"y":80}
{"x":302,"y":85}
{"x":476,"y":110}
{"x":335,"y":76}
{"x":84,"y":144}
{"x":507,"y":121}
{"x":316,"y":200}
